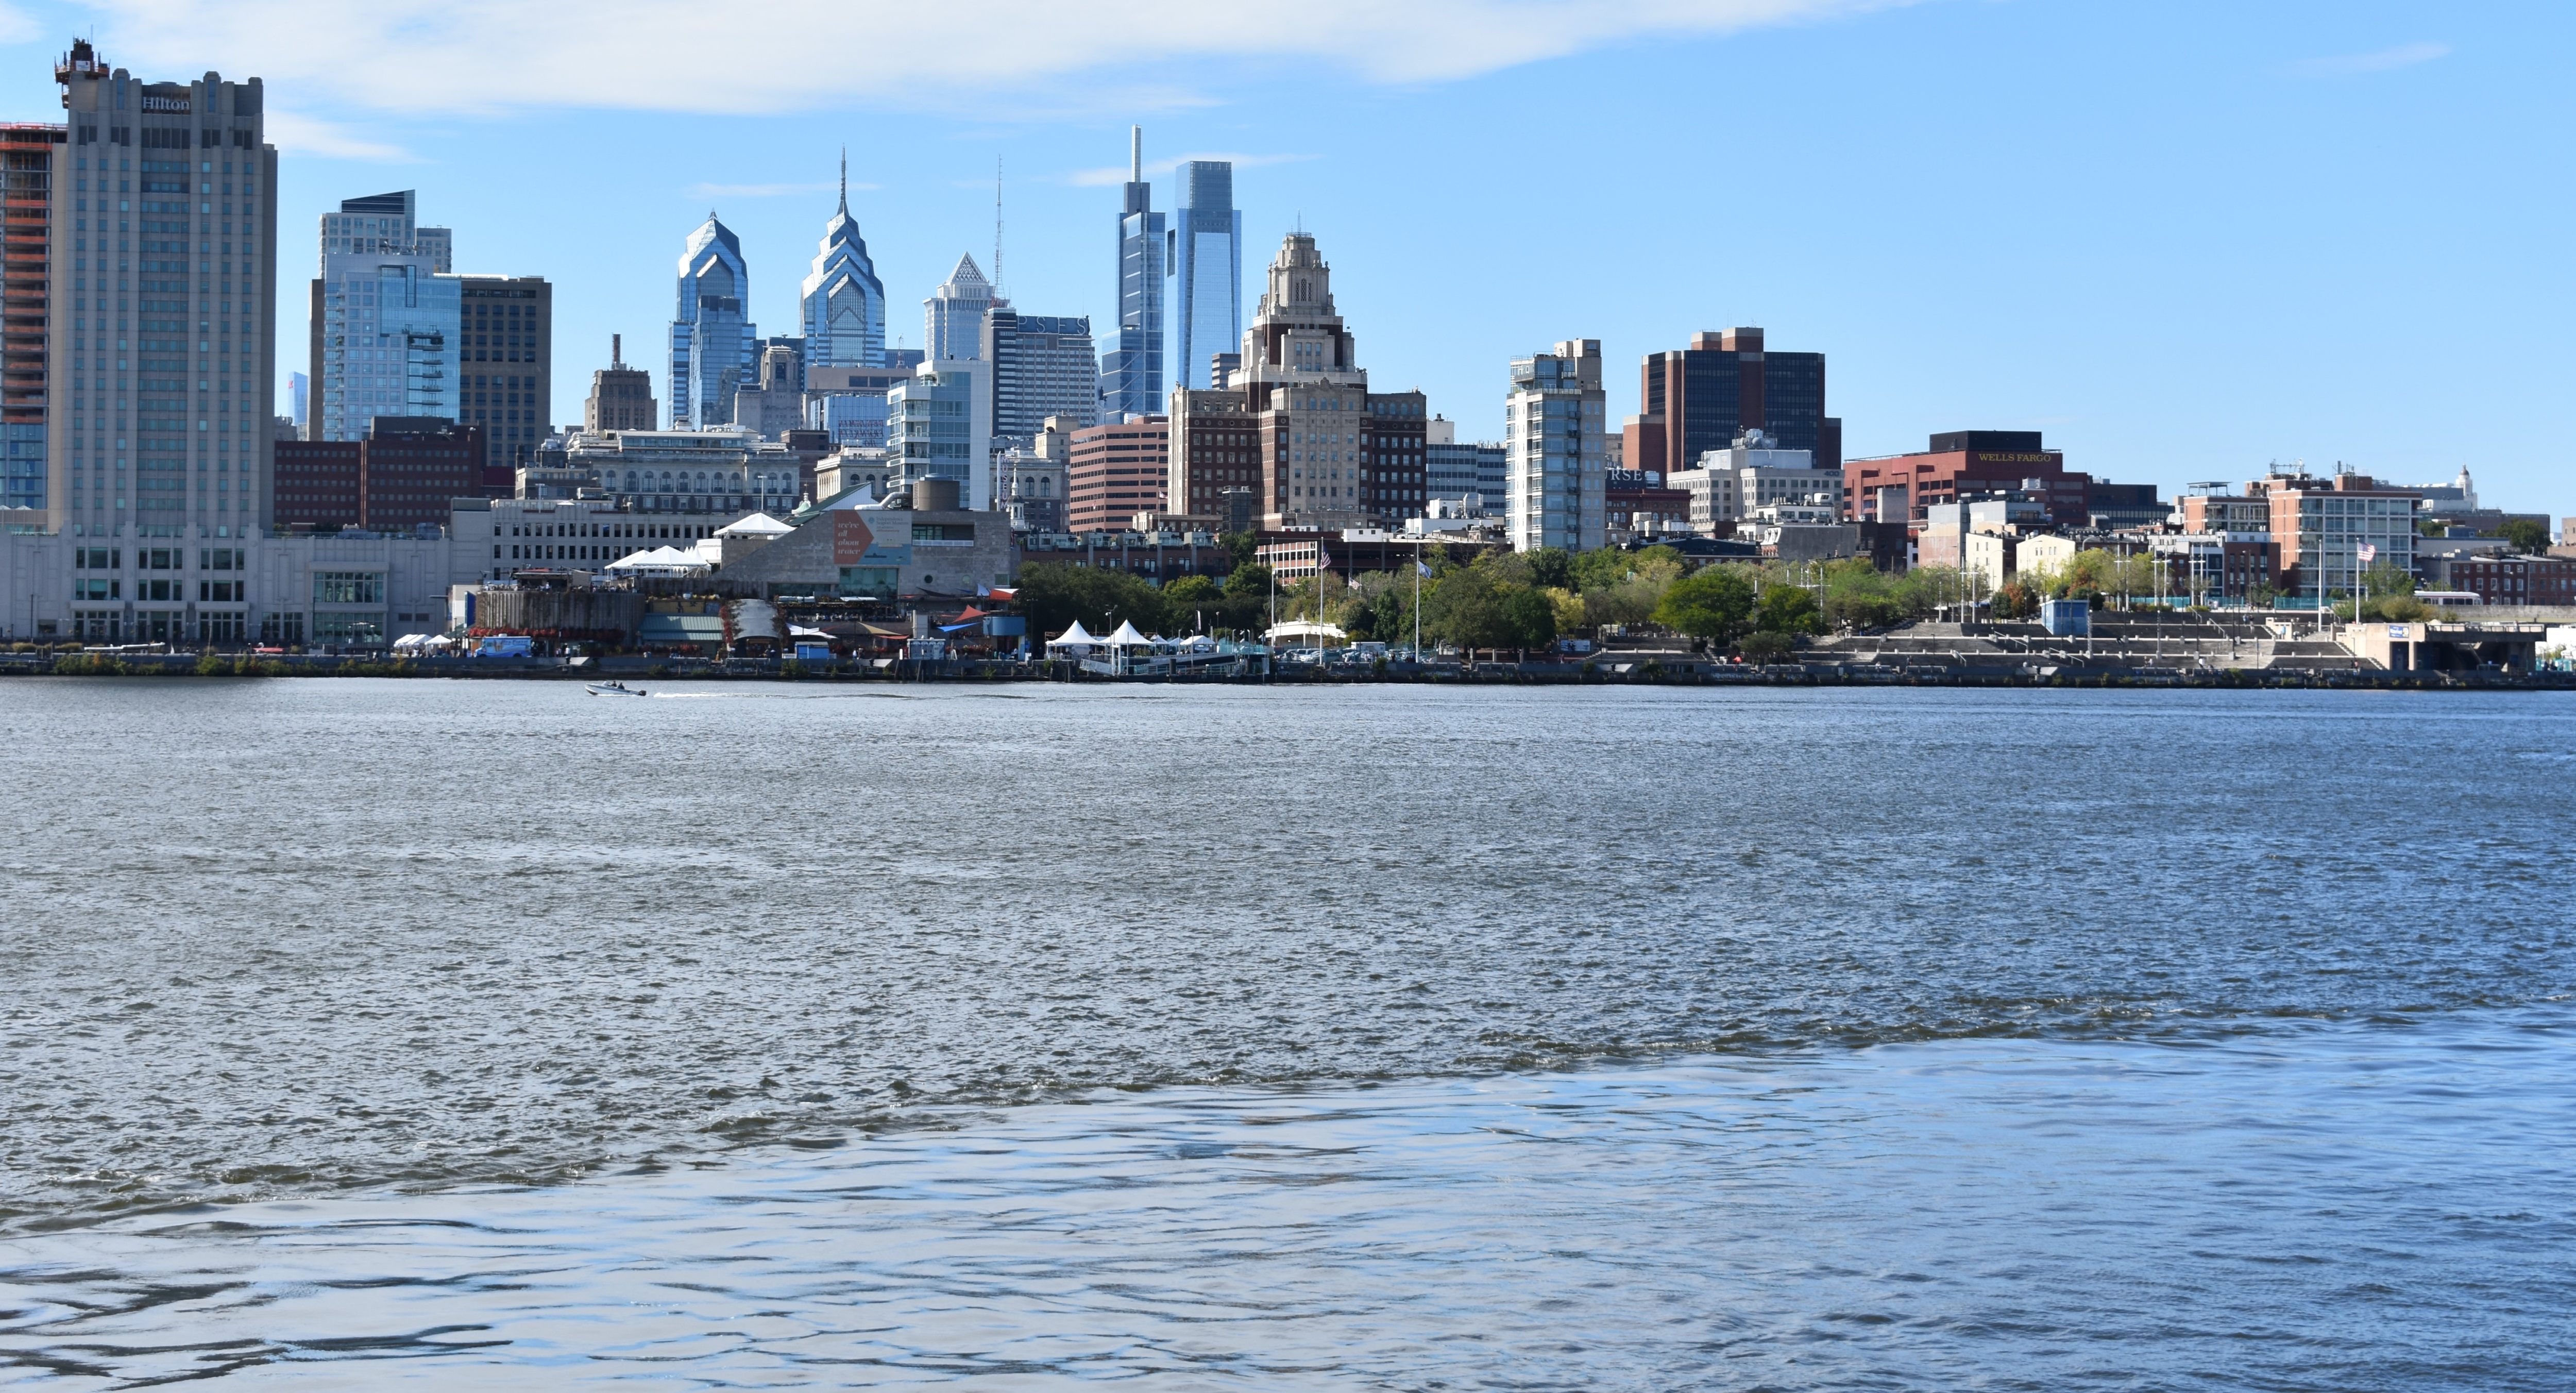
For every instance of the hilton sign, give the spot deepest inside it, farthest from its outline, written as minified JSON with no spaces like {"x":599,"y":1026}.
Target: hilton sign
{"x":175,"y":106}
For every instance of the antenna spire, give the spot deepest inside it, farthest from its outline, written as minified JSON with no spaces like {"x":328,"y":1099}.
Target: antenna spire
{"x":1135,"y":154}
{"x":845,"y":181}
{"x":997,"y":227}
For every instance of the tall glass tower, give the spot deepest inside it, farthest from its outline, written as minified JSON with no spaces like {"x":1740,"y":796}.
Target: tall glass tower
{"x":843,"y":301}
{"x":712,"y":342}
{"x":1133,"y":371}
{"x":1207,"y":271}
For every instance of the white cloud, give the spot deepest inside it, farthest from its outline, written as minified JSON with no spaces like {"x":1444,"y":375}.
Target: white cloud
{"x":801,"y":55}
{"x":1094,"y":178}
{"x":298,"y":134}
{"x":2385,"y":60}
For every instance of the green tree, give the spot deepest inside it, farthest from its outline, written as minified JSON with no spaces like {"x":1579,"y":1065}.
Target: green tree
{"x":1787,"y":609}
{"x":1530,"y":617}
{"x":1466,"y":608}
{"x":1240,"y":548}
{"x":1766,"y":646}
{"x":1192,"y":590}
{"x":1251,"y":578}
{"x":1550,"y":568}
{"x":1712,"y":604}
{"x":1054,"y":594}
{"x":2529,"y":536}
{"x":2019,"y":599}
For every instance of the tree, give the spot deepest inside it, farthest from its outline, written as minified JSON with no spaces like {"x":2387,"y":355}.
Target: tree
{"x":1530,"y":618}
{"x":1550,"y":568}
{"x":1240,"y":548}
{"x":1465,"y":607}
{"x":1569,"y":607}
{"x":1193,"y":600}
{"x":2529,"y":536}
{"x":1053,"y":595}
{"x":2019,"y":599}
{"x":1713,"y":604}
{"x":1250,"y":578}
{"x":1787,"y":609}
{"x":1766,"y":646}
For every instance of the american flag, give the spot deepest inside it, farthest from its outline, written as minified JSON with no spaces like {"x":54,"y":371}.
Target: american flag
{"x":2369,"y":553}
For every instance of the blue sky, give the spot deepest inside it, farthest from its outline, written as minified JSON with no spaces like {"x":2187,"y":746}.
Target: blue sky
{"x":2184,"y":239}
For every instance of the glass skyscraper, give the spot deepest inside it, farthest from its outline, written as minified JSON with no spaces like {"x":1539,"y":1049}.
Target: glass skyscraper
{"x":843,"y":302}
{"x":712,"y":338}
{"x":1207,"y":271}
{"x":1132,"y":373}
{"x":388,"y":329}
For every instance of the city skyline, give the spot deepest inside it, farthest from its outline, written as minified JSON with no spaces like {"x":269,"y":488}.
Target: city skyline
{"x":2204,"y":272}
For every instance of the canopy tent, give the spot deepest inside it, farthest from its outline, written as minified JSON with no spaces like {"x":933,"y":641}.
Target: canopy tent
{"x":796,"y":631}
{"x":1127,"y":637}
{"x":660,"y":561}
{"x":757,"y":525}
{"x":1076,"y":641}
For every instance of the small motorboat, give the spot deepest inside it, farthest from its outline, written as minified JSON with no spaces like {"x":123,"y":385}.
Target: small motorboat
{"x":613,"y":689}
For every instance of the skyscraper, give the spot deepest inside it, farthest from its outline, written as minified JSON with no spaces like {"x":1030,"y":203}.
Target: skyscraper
{"x":1042,"y":367}
{"x":173,"y":439}
{"x":1553,"y":436}
{"x":34,"y":165}
{"x":712,"y":335}
{"x":1297,"y":419}
{"x":387,"y":222}
{"x":952,"y":319}
{"x":384,"y":340}
{"x":1132,"y":372}
{"x":508,"y":351}
{"x":384,"y":330}
{"x":843,"y":302}
{"x":621,"y":398}
{"x":1207,"y":271}
{"x":1697,"y":399}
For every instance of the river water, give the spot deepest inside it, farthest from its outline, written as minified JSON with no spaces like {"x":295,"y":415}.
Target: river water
{"x":355,"y":1032}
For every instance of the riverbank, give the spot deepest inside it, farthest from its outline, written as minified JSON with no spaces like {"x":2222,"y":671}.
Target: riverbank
{"x":1616,"y":669}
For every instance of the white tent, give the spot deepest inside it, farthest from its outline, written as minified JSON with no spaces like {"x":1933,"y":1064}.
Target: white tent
{"x":1076,"y":641}
{"x":757,"y":525}
{"x":660,"y":561}
{"x":1127,"y":637}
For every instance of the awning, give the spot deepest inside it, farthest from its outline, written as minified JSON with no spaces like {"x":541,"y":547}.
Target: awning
{"x":680,"y":628}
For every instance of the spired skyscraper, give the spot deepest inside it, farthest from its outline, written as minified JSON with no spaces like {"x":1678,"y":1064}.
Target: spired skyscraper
{"x":713,"y":341}
{"x":1207,"y":271}
{"x":843,"y":301}
{"x":952,"y":319}
{"x":1132,"y":373}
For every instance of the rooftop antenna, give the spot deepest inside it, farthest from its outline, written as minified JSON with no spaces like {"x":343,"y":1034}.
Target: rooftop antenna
{"x":1135,"y":154}
{"x":997,"y":227}
{"x":845,"y":181}
{"x":617,"y":350}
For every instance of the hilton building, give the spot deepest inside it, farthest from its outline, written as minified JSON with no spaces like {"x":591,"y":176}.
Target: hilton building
{"x":161,"y":217}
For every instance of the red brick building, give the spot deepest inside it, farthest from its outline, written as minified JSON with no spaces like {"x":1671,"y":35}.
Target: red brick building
{"x":411,"y":467}
{"x":1966,"y":464}
{"x":1117,"y":471}
{"x":2513,"y":580}
{"x":317,"y":484}
{"x":1635,"y":501}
